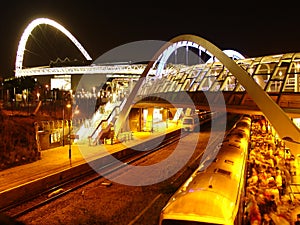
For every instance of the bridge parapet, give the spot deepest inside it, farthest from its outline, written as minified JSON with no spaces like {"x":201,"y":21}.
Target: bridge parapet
{"x":236,"y":102}
{"x":135,"y":69}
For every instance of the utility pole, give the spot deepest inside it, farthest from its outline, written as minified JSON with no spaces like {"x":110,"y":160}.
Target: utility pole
{"x":63,"y":126}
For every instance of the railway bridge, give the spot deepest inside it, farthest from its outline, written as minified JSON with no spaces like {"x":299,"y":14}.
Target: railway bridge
{"x":220,"y":80}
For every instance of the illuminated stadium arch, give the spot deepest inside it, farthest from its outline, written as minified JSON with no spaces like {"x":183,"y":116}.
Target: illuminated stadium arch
{"x":281,"y":122}
{"x":27,"y":32}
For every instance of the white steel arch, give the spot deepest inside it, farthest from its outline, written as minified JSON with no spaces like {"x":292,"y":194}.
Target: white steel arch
{"x":278,"y":118}
{"x":27,"y":32}
{"x":231,"y":54}
{"x":162,"y":59}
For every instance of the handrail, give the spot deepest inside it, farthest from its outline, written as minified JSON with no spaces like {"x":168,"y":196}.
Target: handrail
{"x":108,"y":119}
{"x":105,"y":130}
{"x":104,"y":120}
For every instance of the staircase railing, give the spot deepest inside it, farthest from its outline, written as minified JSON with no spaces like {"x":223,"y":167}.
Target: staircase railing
{"x":96,"y":134}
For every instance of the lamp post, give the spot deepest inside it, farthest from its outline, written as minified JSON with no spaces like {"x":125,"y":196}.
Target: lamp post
{"x":63,"y":126}
{"x":69,"y":136}
{"x":167,"y":119}
{"x":26,"y":100}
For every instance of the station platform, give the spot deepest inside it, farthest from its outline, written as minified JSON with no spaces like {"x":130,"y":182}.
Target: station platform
{"x":273,"y":178}
{"x":57,"y":159}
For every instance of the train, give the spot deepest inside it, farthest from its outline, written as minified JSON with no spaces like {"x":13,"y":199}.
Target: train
{"x":192,"y":122}
{"x":213,"y":194}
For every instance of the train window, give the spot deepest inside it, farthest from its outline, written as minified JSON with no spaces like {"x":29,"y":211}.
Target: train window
{"x":201,"y":170}
{"x":236,"y":134}
{"x":242,"y":124}
{"x":232,"y":145}
{"x":184,"y":222}
{"x":230,"y":142}
{"x":226,"y":140}
{"x":187,"y":121}
{"x":229,"y":161}
{"x":225,"y":172}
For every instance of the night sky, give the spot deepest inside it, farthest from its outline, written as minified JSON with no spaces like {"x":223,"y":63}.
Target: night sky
{"x":249,"y":28}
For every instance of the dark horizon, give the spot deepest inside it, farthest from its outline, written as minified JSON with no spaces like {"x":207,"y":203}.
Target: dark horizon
{"x":253,"y":30}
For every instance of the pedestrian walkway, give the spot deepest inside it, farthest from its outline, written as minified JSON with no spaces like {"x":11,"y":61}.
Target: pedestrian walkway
{"x":57,"y":159}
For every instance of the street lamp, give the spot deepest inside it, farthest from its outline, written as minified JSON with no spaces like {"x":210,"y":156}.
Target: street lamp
{"x":167,"y":119}
{"x":26,"y":101}
{"x":63,"y":116}
{"x":70,"y":118}
{"x":63,"y":125}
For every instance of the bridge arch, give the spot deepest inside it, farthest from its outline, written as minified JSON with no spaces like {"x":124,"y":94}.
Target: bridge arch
{"x":32,"y":25}
{"x":164,"y":56}
{"x":281,"y":122}
{"x":231,"y":54}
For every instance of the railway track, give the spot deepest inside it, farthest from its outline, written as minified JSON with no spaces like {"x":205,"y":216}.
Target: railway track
{"x":105,"y":202}
{"x":176,"y":182}
{"x":45,"y":197}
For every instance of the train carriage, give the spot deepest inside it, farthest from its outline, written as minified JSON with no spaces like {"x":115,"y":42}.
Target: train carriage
{"x":192,"y":123}
{"x":213,"y":195}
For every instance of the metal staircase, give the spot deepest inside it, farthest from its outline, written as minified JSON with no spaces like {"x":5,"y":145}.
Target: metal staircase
{"x":106,"y":125}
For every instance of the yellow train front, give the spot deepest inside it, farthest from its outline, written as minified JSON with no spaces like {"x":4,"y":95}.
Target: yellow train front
{"x":213,"y":195}
{"x":192,"y":123}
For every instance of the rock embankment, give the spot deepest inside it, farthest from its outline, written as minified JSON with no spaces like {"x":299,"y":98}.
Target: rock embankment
{"x":19,"y":143}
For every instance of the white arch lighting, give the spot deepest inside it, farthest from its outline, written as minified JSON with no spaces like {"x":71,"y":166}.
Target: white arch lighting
{"x":230,"y":53}
{"x":166,"y":54}
{"x":27,"y":32}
